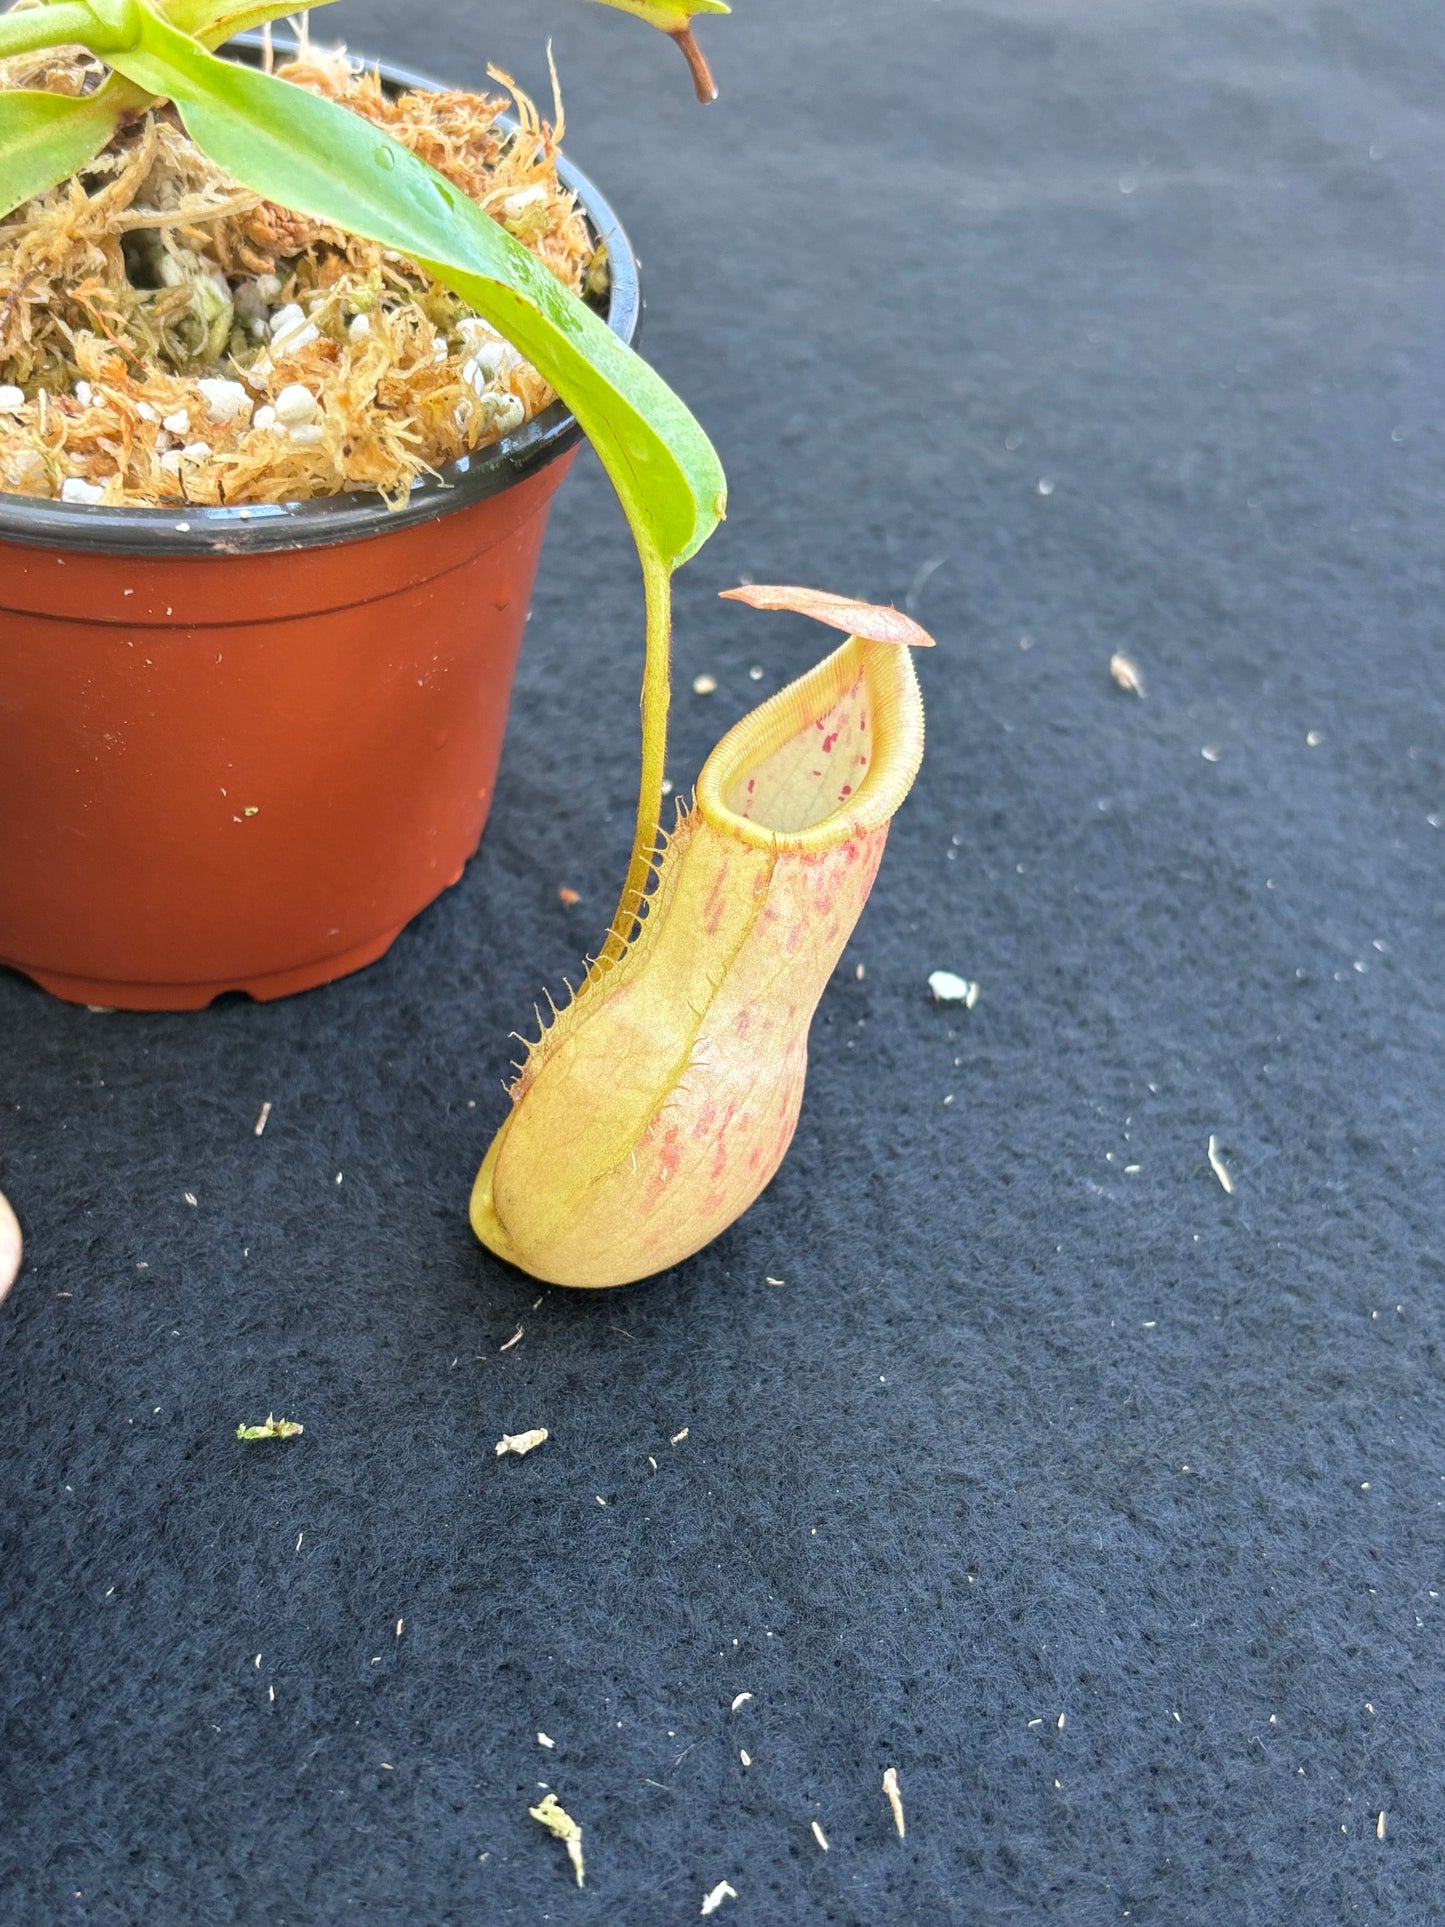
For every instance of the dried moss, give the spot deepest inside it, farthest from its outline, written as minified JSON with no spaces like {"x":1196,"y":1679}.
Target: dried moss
{"x":127,"y":286}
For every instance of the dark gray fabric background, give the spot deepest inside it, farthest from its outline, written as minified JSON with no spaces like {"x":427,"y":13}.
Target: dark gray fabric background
{"x":1042,"y":1422}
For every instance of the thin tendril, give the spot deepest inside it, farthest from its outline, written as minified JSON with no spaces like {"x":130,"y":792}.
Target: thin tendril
{"x":656,"y":697}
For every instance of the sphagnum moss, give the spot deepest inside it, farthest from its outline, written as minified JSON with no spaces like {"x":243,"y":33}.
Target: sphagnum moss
{"x":156,"y":319}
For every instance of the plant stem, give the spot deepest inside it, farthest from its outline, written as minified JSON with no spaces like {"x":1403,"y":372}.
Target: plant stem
{"x":656,"y":697}
{"x":64,"y":25}
{"x":702,"y":81}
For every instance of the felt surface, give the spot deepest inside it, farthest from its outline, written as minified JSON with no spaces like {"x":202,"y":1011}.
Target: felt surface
{"x":1104,"y":1505}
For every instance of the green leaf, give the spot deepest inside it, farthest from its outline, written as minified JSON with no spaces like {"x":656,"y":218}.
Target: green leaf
{"x":309,"y":154}
{"x":670,"y":15}
{"x":68,"y":23}
{"x":214,"y":21}
{"x":45,"y":138}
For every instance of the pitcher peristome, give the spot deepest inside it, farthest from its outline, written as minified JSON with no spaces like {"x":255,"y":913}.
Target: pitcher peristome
{"x":655,"y":1108}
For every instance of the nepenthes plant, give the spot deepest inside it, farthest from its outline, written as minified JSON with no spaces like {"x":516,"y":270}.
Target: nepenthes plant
{"x":658,"y":1104}
{"x":660,"y":1101}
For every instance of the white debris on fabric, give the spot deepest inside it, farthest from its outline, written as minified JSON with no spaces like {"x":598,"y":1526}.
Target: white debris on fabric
{"x":724,"y":1890}
{"x":1126,"y":674}
{"x":519,"y":1444}
{"x":895,"y":1800}
{"x":949,"y":989}
{"x":1218,"y":1166}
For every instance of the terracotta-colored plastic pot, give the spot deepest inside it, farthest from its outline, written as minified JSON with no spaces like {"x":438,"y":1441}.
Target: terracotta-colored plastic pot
{"x":241,"y":749}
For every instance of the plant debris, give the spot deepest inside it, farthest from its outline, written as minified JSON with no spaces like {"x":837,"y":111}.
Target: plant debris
{"x":562,"y":1827}
{"x":948,"y":989}
{"x":1218,"y":1166}
{"x":1126,"y":674}
{"x":895,"y":1800}
{"x":820,"y":1836}
{"x":521,"y":1443}
{"x":274,"y":1428}
{"x":167,"y":337}
{"x":724,"y":1890}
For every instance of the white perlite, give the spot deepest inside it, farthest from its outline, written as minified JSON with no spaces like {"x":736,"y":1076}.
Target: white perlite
{"x":291,"y":330}
{"x":226,"y":401}
{"x":296,"y":404}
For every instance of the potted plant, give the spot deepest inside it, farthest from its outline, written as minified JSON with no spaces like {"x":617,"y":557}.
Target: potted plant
{"x":245,"y":740}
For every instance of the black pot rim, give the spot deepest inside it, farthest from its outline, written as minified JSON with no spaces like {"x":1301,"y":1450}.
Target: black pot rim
{"x":185,"y":529}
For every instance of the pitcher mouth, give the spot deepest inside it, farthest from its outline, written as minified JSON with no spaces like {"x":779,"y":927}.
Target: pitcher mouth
{"x":834,"y":754}
{"x":353,"y":515}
